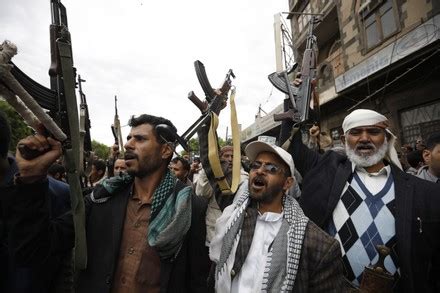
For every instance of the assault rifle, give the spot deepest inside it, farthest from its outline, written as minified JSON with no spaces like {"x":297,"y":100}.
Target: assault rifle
{"x":116,"y":129}
{"x":61,"y":102}
{"x":84,"y":132}
{"x":298,"y":110}
{"x":215,"y":100}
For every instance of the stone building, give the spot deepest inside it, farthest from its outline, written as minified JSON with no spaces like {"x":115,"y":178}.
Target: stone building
{"x":378,"y":54}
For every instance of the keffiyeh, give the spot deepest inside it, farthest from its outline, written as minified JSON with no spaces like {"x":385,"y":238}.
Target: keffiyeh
{"x":170,"y":211}
{"x":283,"y":259}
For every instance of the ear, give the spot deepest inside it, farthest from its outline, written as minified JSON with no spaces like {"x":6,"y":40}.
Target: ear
{"x":167,"y":151}
{"x":426,"y":156}
{"x":288,"y":183}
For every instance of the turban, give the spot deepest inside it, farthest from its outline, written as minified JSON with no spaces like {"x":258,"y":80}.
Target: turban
{"x":365,"y":117}
{"x":226,"y":148}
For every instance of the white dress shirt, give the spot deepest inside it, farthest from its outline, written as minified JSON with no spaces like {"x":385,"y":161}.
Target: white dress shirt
{"x":250,"y":277}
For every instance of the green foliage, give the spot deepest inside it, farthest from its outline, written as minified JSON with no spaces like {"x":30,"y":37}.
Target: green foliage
{"x":100,"y":149}
{"x":193,"y":144}
{"x":19,"y":128}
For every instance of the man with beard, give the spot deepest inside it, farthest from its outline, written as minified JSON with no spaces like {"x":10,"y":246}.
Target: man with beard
{"x":364,"y":199}
{"x":264,"y":242}
{"x":145,"y":230}
{"x":119,"y":167}
{"x":180,"y":167}
{"x":217,"y":203}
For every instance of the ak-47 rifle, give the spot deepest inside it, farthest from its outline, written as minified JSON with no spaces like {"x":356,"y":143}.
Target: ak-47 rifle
{"x":116,"y":129}
{"x":84,"y":132}
{"x":300,"y":98}
{"x":61,"y":102}
{"x":215,"y":100}
{"x":206,"y":126}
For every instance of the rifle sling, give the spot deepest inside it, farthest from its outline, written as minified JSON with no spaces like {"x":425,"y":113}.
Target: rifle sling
{"x":213,"y":155}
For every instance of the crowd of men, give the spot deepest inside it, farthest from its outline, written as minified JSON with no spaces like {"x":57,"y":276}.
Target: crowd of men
{"x":158,"y":223}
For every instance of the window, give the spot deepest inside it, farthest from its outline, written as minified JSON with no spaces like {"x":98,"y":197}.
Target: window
{"x":304,"y":19}
{"x":378,"y":21}
{"x":420,"y":121}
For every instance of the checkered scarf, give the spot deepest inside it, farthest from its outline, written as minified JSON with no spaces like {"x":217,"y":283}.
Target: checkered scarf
{"x":170,"y":211}
{"x":282,"y":264}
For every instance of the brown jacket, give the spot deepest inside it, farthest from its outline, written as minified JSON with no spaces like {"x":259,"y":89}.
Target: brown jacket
{"x":320,"y":266}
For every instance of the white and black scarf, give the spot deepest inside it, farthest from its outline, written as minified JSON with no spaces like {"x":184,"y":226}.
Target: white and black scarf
{"x":282,"y":264}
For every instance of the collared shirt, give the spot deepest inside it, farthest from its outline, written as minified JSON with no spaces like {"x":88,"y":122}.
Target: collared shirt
{"x":373,"y":181}
{"x":250,"y":277}
{"x":138,"y":266}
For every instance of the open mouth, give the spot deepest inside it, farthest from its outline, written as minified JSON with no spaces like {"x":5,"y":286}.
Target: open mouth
{"x":368,"y":148}
{"x":129,"y":156}
{"x":258,"y":183}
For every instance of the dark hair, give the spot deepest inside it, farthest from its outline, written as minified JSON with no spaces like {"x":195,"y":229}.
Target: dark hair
{"x":56,"y":168}
{"x":414,"y":158}
{"x":99,"y":165}
{"x":184,"y":162}
{"x":5,"y":135}
{"x":432,"y":141}
{"x":154,"y":121}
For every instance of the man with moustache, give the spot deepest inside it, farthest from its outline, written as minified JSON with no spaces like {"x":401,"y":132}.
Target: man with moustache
{"x":119,"y":167}
{"x":264,"y":242}
{"x":145,"y":229}
{"x":217,"y":202}
{"x":364,"y":199}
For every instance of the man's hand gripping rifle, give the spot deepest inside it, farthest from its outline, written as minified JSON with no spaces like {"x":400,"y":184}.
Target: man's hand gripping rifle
{"x":215,"y":99}
{"x":299,"y":97}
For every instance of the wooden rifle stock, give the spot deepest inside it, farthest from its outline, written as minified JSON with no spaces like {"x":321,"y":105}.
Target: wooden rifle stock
{"x":203,"y":106}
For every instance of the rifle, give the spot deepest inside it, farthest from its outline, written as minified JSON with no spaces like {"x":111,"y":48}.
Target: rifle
{"x":61,"y":102}
{"x":116,"y":129}
{"x":215,"y":100}
{"x":298,"y":110}
{"x":206,"y":126}
{"x":84,"y":131}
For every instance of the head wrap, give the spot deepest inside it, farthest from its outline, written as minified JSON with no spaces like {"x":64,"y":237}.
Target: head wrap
{"x":365,"y":117}
{"x":226,"y":148}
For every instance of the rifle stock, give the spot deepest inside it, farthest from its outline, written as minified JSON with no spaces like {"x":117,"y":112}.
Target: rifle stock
{"x":216,"y":99}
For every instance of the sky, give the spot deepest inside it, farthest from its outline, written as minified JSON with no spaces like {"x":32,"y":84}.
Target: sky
{"x":144,"y":52}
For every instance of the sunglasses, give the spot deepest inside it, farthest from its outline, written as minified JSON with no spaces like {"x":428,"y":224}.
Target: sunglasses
{"x":267,"y":167}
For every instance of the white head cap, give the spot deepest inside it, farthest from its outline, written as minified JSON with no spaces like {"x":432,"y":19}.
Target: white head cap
{"x":365,"y":117}
{"x":254,"y":148}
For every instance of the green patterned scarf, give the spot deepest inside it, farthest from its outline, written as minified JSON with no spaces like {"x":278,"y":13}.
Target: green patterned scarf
{"x":170,"y":211}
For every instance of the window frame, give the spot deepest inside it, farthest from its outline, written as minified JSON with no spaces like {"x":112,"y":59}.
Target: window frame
{"x":374,"y":9}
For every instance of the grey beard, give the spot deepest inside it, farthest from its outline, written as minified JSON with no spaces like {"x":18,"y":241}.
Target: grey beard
{"x":368,"y":160}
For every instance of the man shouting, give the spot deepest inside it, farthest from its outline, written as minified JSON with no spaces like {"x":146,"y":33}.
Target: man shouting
{"x":264,"y":242}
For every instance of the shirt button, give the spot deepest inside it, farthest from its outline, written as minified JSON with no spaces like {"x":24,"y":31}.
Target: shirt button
{"x":232,"y":273}
{"x":139,"y":202}
{"x":137,"y":225}
{"x":131,"y":250}
{"x":123,"y":280}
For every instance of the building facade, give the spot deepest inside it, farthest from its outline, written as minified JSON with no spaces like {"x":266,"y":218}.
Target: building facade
{"x":378,"y":54}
